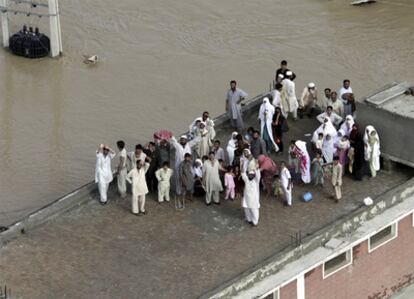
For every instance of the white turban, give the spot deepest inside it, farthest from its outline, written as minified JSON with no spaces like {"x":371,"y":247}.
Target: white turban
{"x":311,"y":85}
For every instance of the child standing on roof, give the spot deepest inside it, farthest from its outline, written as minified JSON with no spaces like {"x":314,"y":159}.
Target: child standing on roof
{"x":318,"y":171}
{"x":337,"y":178}
{"x":229,"y":183}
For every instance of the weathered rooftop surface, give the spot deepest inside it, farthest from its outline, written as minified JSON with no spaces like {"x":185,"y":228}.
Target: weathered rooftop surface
{"x":392,"y":98}
{"x":105,"y":252}
{"x":391,"y":112}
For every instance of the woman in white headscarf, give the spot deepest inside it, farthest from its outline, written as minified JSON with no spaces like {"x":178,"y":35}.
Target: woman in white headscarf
{"x":338,"y":137}
{"x":327,"y":128}
{"x":328,"y":148}
{"x":266,"y":116}
{"x":372,"y":149}
{"x":302,"y":153}
{"x":231,"y":147}
{"x":347,"y":125}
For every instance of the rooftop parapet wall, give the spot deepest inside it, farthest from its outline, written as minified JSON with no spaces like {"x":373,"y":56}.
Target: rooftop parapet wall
{"x":347,"y":227}
{"x":84,"y":194}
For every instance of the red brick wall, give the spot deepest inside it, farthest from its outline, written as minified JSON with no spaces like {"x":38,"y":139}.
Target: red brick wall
{"x":372,"y":275}
{"x":288,"y":291}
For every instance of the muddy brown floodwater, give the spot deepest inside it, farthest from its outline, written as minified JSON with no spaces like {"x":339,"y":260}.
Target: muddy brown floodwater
{"x":162,"y":63}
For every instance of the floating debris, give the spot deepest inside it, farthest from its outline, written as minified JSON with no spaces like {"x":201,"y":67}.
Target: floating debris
{"x":361,"y":2}
{"x":90,"y":59}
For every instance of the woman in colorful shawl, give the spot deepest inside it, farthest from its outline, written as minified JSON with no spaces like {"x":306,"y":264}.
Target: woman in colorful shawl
{"x":303,"y":156}
{"x":268,"y":169}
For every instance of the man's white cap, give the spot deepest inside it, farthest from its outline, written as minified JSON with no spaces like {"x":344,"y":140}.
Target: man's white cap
{"x":289,"y":73}
{"x":368,"y":201}
{"x":311,"y":85}
{"x":183,"y":137}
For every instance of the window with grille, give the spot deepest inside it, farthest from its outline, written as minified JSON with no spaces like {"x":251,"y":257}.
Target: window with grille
{"x":337,"y":263}
{"x":382,"y":237}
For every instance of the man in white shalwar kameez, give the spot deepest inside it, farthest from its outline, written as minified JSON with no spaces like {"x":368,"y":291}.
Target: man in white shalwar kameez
{"x":372,"y":149}
{"x":181,"y":148}
{"x":251,"y":196}
{"x":211,"y":179}
{"x":247,"y":161}
{"x":209,"y":123}
{"x":308,"y":100}
{"x":137,"y":155}
{"x":122,"y":169}
{"x":103,"y":171}
{"x":231,"y":147}
{"x":204,"y":145}
{"x":233,"y":106}
{"x":346,"y":88}
{"x":337,"y":105}
{"x":266,"y":113}
{"x":291,"y":102}
{"x":286,"y":183}
{"x":276,"y":98}
{"x":163,"y":176}
{"x":335,"y":118}
{"x":136,"y":177}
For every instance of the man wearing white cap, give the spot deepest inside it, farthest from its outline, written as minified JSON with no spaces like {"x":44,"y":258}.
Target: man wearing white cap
{"x":136,"y":177}
{"x":251,"y":196}
{"x":103,"y":171}
{"x":308,"y":100}
{"x":233,"y":106}
{"x":289,"y":100}
{"x":181,"y":148}
{"x":283,"y":70}
{"x":279,"y":78}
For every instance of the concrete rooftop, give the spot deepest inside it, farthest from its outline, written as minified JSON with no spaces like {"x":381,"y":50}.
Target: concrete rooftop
{"x":105,"y":252}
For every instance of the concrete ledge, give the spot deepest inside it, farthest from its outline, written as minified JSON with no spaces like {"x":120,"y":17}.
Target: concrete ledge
{"x":315,"y":241}
{"x":83,"y":194}
{"x":54,"y":209}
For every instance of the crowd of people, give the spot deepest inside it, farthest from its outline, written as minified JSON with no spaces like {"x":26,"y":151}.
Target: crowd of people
{"x":201,"y":167}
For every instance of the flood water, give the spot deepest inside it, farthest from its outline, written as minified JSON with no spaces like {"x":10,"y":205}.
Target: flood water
{"x":162,"y":63}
